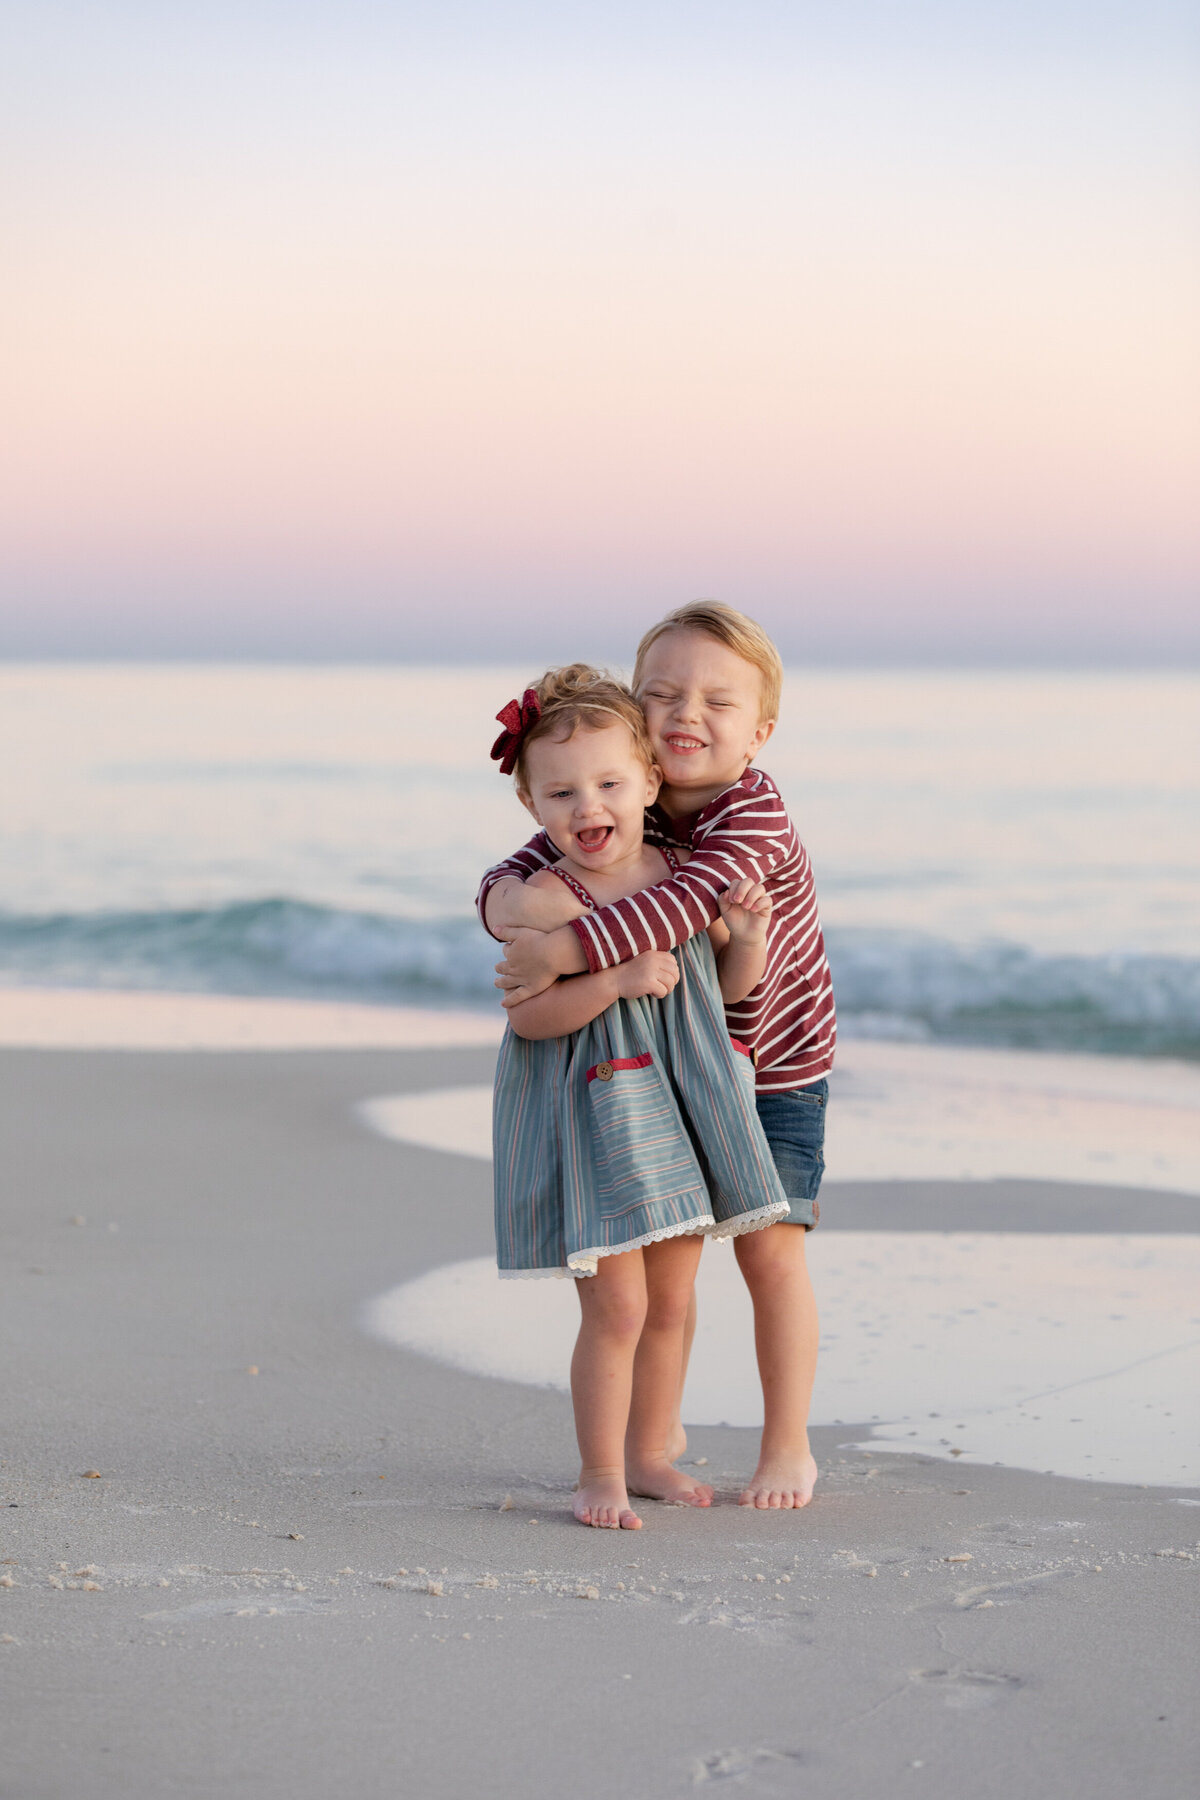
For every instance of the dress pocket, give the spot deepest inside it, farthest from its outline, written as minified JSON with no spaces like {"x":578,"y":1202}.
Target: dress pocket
{"x":643,"y":1153}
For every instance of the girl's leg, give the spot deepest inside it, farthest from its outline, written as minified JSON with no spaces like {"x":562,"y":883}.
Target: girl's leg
{"x":676,"y":1435}
{"x":657,"y":1372}
{"x":613,"y":1304}
{"x":785,"y":1336}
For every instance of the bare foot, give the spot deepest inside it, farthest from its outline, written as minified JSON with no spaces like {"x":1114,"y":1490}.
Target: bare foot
{"x":676,"y":1442}
{"x":602,"y":1500}
{"x":781,"y":1481}
{"x":657,"y":1480}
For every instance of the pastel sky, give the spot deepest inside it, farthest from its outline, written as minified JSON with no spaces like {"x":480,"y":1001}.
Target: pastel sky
{"x":423,"y":330}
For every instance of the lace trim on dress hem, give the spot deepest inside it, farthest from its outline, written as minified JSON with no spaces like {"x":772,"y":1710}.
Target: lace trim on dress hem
{"x":585,"y":1262}
{"x":700,"y":1225}
{"x":751,"y":1221}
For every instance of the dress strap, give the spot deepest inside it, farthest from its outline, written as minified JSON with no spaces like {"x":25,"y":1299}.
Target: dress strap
{"x":576,"y":887}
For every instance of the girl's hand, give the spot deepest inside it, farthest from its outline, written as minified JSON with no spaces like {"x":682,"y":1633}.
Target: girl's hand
{"x":654,"y":973}
{"x":746,"y":909}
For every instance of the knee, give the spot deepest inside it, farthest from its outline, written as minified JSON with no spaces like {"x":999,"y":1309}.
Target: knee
{"x":618,"y":1315}
{"x":772,"y":1258}
{"x":668,"y":1312}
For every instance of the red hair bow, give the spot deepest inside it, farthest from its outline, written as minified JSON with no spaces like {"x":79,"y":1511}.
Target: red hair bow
{"x":517,"y":718}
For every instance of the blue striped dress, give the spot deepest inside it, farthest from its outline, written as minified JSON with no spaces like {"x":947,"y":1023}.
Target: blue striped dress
{"x":638,"y":1127}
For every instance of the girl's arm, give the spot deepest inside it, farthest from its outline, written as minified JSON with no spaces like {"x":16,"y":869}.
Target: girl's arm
{"x":569,"y":1004}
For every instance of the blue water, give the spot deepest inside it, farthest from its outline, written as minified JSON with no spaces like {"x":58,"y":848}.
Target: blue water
{"x":1001,"y":858}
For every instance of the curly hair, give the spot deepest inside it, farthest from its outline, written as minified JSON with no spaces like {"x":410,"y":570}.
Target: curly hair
{"x":581,"y":698}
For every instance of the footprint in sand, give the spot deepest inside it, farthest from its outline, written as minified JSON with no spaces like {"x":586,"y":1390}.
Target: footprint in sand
{"x":965,"y":1690}
{"x":736,"y":1764}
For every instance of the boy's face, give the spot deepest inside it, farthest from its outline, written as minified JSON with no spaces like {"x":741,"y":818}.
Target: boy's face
{"x":701,"y":702}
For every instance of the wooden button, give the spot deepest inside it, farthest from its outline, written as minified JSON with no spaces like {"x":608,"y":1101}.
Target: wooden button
{"x":604,"y":1071}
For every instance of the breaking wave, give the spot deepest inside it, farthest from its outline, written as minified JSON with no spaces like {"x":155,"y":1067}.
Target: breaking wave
{"x":900,"y":986}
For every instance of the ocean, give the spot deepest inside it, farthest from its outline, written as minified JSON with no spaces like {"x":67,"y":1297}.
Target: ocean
{"x":1009,"y":859}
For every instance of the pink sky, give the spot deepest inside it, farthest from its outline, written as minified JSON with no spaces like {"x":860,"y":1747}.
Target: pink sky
{"x":373,"y":346}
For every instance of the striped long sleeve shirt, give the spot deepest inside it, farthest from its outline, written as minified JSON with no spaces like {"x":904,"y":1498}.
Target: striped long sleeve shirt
{"x":788,"y":1019}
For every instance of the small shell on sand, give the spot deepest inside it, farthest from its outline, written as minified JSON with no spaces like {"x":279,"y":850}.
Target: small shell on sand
{"x":297,"y":1537}
{"x":91,"y":1475}
{"x":506,"y":1505}
{"x":589,"y":1593}
{"x":964,"y":1556}
{"x":7,"y":1581}
{"x":436,"y":1588}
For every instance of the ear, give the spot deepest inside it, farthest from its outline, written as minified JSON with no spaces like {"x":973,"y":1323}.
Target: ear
{"x":762,"y":733}
{"x":526,"y":799}
{"x":654,"y":780}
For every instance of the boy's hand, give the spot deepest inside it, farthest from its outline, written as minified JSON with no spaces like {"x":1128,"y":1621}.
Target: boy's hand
{"x":746,"y":909}
{"x":527,"y":968}
{"x":533,"y":959}
{"x":653,"y":973}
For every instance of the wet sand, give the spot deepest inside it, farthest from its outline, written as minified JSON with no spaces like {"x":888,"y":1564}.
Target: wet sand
{"x":309,"y":1562}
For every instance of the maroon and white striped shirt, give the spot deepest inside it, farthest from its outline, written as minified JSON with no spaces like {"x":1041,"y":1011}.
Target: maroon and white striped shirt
{"x":788,"y":1020}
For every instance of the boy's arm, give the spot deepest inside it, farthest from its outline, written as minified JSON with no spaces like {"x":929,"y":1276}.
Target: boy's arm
{"x":498,"y":901}
{"x":743,"y":834}
{"x":567,"y":1005}
{"x":740,"y":940}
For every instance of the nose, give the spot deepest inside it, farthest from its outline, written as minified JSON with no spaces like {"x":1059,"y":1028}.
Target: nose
{"x":686,"y":709}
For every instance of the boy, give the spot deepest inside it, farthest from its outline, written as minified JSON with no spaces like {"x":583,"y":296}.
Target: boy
{"x":709,"y":681}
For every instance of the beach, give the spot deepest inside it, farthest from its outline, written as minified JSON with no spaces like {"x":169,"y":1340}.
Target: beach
{"x":254,"y":1548}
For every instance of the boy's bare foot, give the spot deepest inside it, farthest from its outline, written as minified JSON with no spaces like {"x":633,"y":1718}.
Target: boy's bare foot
{"x":676,"y":1442}
{"x":601,"y":1500}
{"x":781,"y":1481}
{"x":655,"y":1480}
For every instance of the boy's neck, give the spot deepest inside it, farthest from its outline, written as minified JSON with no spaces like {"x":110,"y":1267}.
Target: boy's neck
{"x":681,"y":802}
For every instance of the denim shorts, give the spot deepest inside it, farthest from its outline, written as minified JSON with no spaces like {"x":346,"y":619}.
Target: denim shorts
{"x":794,"y":1125}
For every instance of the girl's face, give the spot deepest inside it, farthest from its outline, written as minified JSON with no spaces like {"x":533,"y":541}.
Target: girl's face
{"x":589,"y":792}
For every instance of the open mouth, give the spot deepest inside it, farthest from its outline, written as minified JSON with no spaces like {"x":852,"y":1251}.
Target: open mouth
{"x":684,"y":746}
{"x":594,"y":838}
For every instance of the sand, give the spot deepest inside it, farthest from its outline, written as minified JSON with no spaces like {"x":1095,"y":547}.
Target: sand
{"x":309,"y":1562}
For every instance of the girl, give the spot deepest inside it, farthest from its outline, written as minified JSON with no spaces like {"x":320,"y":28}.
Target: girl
{"x":625,"y":1128}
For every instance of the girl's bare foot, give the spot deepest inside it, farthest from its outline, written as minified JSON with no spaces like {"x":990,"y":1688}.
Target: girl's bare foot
{"x":655,"y":1479}
{"x":676,"y":1442}
{"x":781,"y":1481}
{"x":601,"y":1500}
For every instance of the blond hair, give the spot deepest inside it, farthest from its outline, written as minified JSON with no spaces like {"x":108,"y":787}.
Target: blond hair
{"x":731,"y":628}
{"x":581,"y":698}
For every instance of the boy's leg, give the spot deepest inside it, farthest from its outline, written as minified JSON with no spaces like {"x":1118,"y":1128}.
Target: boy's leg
{"x":775,"y":1267}
{"x":613,"y":1305}
{"x":785,"y":1336}
{"x":657,"y":1371}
